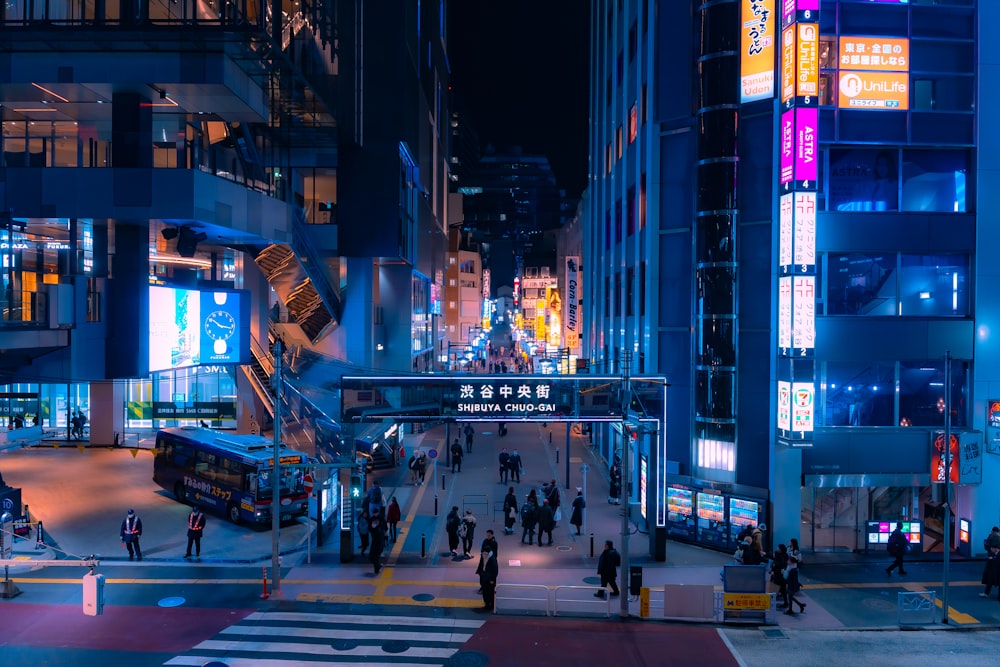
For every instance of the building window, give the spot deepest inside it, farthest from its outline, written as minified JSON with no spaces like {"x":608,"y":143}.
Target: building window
{"x":607,"y":230}
{"x":934,"y":180}
{"x":642,"y":202}
{"x":630,"y":291}
{"x":864,"y":180}
{"x":618,"y":221}
{"x":642,"y":289}
{"x":643,"y":102}
{"x":618,"y":294}
{"x":633,"y":123}
{"x":618,"y":142}
{"x":630,"y":225}
{"x":922,"y":397}
{"x":859,"y":394}
{"x":933,"y":285}
{"x":633,"y":34}
{"x":861,"y":284}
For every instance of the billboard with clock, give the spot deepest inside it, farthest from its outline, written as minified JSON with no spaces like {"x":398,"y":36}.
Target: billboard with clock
{"x":189,"y":327}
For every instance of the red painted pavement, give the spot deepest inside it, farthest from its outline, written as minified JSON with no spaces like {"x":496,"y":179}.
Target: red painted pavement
{"x":556,"y":642}
{"x":156,"y":629}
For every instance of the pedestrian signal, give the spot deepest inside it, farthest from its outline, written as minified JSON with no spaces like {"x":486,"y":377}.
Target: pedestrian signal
{"x":356,"y":484}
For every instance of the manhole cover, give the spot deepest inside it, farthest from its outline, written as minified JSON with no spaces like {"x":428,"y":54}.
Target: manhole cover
{"x":468,"y":659}
{"x":171,"y":602}
{"x":773,"y":633}
{"x":395,"y":647}
{"x":423,"y":597}
{"x":564,"y":548}
{"x":878,"y":604}
{"x":593,"y":581}
{"x":343,"y":645}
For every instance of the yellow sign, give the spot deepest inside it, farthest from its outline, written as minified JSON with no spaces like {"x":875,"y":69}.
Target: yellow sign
{"x":874,"y":54}
{"x":874,"y":90}
{"x":788,"y":64}
{"x":746,"y":601}
{"x":758,"y":28}
{"x":807,"y":60}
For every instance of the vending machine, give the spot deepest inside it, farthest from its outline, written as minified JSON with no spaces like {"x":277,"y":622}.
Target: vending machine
{"x":743,"y":512}
{"x":712,"y":519}
{"x":680,"y":512}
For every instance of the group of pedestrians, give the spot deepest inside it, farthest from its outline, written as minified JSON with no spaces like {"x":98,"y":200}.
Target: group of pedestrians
{"x":418,"y":468}
{"x":377,"y":525}
{"x":131,"y":532}
{"x":783,"y":564}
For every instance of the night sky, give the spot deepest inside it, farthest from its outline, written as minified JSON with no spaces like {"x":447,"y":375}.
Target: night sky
{"x":521,"y":68}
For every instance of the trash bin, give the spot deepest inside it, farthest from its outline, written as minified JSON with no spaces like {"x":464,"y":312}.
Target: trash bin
{"x":634,"y":579}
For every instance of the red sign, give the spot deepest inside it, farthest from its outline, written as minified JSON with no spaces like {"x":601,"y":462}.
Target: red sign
{"x":938,"y":464}
{"x":307,"y":483}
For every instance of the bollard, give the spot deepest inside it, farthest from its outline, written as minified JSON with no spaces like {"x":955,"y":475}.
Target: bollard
{"x":443,"y":475}
{"x":39,"y":539}
{"x":423,"y":545}
{"x":550,"y":437}
{"x":557,"y":455}
{"x":435,"y":505}
{"x":591,"y":545}
{"x":265,"y":595}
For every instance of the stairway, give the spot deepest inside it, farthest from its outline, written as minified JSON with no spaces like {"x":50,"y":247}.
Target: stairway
{"x":288,"y":277}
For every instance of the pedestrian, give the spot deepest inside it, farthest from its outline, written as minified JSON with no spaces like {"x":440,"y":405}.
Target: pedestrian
{"x":991,"y":571}
{"x":897,"y":547}
{"x":467,"y":531}
{"x":456,"y":456}
{"x":452,"y":523}
{"x":509,"y":511}
{"x":749,"y":554}
{"x":778,"y":565}
{"x":196,"y":526}
{"x":364,"y":528}
{"x":757,"y":539}
{"x":376,"y":501}
{"x":551,"y":493}
{"x":76,"y":430}
{"x":607,"y":567}
{"x":504,"y":459}
{"x":414,"y":472}
{"x":747,"y":531}
{"x":992,"y":540}
{"x":392,"y":517}
{"x":546,"y":521}
{"x":488,"y":580}
{"x":529,"y":517}
{"x":469,"y":433}
{"x":793,"y":550}
{"x":515,"y":465}
{"x":421,"y":468}
{"x":615,"y":482}
{"x":578,"y":504}
{"x":130,"y":532}
{"x":793,"y":585}
{"x":489,"y":546}
{"x":377,"y":531}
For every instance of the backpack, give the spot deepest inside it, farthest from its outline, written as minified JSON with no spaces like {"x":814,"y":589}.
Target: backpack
{"x":463,"y":529}
{"x":895,"y":545}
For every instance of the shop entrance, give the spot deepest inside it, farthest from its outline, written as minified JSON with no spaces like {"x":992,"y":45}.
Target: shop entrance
{"x":833,"y":516}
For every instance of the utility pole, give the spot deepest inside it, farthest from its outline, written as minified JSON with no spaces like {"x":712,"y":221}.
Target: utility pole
{"x":276,"y":476}
{"x":626,"y":476}
{"x":947,"y":483}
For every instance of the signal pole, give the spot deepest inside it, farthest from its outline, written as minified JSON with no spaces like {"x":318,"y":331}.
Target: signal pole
{"x":276,"y":476}
{"x":626,"y":477}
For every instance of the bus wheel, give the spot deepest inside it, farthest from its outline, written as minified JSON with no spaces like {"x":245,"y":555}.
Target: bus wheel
{"x":233,"y":512}
{"x":180,"y":493}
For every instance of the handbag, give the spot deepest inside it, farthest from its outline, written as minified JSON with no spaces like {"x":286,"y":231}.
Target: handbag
{"x":512,"y":514}
{"x":557,"y":517}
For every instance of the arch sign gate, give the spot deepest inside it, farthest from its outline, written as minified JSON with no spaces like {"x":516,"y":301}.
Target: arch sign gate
{"x":638,"y":402}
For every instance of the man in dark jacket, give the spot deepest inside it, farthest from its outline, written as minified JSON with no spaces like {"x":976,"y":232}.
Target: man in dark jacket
{"x":456,"y":456}
{"x":607,"y":567}
{"x":546,"y":521}
{"x":488,"y":579}
{"x":504,"y":459}
{"x":130,"y":532}
{"x":451,"y":524}
{"x":377,"y":532}
{"x":897,"y":546}
{"x":196,"y":526}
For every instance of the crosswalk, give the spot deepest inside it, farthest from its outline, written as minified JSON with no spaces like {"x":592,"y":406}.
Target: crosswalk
{"x":284,"y":639}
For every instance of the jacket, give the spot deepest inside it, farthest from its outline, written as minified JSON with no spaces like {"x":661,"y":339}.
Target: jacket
{"x":392,"y":514}
{"x":607,"y":564}
{"x":491,"y":569}
{"x":131,"y":528}
{"x":577,"y":517}
{"x":196,"y":524}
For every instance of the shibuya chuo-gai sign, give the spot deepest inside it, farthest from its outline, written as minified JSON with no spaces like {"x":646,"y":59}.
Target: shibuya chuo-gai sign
{"x":505,"y":399}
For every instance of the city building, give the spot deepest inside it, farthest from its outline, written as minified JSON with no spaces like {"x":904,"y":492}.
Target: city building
{"x":787,"y":216}
{"x":186,"y":184}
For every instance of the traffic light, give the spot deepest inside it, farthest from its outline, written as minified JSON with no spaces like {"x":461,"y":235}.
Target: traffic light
{"x":357,"y":485}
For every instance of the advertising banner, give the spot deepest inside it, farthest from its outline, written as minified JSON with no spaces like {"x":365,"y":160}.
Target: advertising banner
{"x":785,"y":313}
{"x":786,"y":210}
{"x":940,"y":461}
{"x":787,"y":165}
{"x":805,"y":230}
{"x":787,"y":64}
{"x":806,"y":169}
{"x":804,"y":320}
{"x":971,"y":454}
{"x":874,"y":90}
{"x":784,"y":405}
{"x":807,"y":61}
{"x":793,"y":9}
{"x":874,"y":54}
{"x":757,"y":50}
{"x":572,"y":304}
{"x":803,"y":406}
{"x":993,"y":426}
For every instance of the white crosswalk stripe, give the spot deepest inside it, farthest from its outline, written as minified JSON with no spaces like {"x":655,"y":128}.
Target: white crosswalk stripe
{"x":284,"y":639}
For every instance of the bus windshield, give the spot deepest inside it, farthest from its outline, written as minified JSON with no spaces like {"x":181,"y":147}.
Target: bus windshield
{"x":291,"y":482}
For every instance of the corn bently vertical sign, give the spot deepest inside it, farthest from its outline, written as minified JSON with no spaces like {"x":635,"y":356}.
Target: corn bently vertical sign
{"x":797,"y":174}
{"x":759,"y":27}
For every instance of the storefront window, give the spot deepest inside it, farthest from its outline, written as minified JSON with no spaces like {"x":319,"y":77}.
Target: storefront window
{"x":859,"y":394}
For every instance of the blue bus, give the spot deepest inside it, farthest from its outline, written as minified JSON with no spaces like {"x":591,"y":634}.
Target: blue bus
{"x":229,"y":474}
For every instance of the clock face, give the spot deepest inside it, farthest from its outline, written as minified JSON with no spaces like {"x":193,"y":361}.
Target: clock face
{"x":220,"y":325}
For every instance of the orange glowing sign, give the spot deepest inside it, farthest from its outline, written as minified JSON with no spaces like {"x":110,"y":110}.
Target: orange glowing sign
{"x":758,"y":29}
{"x":807,"y":60}
{"x":874,"y":54}
{"x":874,"y":90}
{"x":787,"y":64}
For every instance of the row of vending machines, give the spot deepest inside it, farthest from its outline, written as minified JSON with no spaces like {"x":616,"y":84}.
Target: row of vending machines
{"x":710,"y":517}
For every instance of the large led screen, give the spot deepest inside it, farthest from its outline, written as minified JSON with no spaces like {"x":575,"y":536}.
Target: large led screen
{"x":189,"y":327}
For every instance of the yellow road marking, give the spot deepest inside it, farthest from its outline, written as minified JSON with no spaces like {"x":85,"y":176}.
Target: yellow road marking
{"x":953,"y":614}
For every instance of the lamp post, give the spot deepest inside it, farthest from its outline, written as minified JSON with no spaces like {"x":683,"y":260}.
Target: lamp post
{"x":947,"y":483}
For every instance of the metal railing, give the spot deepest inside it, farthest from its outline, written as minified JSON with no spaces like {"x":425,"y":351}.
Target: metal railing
{"x":517,"y":588}
{"x":605,"y":600}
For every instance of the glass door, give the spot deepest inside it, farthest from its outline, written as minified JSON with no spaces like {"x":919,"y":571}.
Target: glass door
{"x":833,"y":516}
